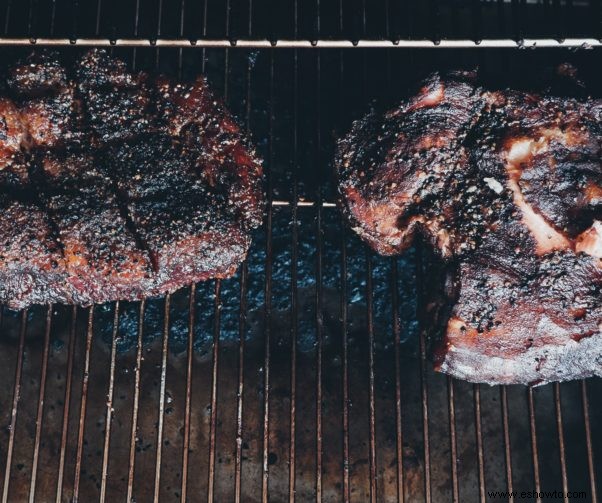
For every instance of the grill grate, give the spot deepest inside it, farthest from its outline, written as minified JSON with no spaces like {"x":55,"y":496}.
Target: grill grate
{"x":293,"y":24}
{"x":305,"y":376}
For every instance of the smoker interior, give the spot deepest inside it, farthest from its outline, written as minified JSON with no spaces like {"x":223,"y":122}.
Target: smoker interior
{"x":304,"y":376}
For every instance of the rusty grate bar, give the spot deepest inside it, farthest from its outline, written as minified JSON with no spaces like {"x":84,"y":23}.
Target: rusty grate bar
{"x":345,"y":369}
{"x":15,"y":406}
{"x":561,"y":445}
{"x":188,"y":395}
{"x":40,"y":408}
{"x":319,"y":293}
{"x":479,"y":435}
{"x":506,"y":431}
{"x":242,"y":314}
{"x":344,"y":317}
{"x":161,"y":412}
{"x":588,"y":442}
{"x":424,"y":391}
{"x":534,"y":446}
{"x":213,"y":406}
{"x":292,"y":479}
{"x":67,"y":404}
{"x":398,"y":409}
{"x":136,"y":402}
{"x":453,"y":440}
{"x":241,"y":385}
{"x":83,"y":405}
{"x":268,"y":295}
{"x":371,"y":398}
{"x":109,"y":413}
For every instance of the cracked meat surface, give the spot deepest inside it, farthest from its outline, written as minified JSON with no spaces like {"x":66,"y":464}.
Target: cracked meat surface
{"x":506,"y":188}
{"x":106,"y":195}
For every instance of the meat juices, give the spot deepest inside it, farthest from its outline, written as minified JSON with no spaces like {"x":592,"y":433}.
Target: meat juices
{"x":506,"y":188}
{"x":111,"y":196}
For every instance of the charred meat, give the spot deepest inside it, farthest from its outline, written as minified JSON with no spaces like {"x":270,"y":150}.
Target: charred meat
{"x":506,"y":188}
{"x":106,"y":195}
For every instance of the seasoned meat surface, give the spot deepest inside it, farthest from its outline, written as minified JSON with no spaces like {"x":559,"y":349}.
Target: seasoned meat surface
{"x":117,"y":103}
{"x":32,"y":267}
{"x":184,"y":221}
{"x":13,"y":133}
{"x":111,"y":198}
{"x":505,"y":187}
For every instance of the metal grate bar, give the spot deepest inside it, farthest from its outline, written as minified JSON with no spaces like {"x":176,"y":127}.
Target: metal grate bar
{"x":241,"y":385}
{"x":292,"y":479}
{"x":44,"y":369}
{"x":40,"y":409}
{"x":398,"y":413}
{"x":318,"y":299}
{"x":204,"y":32}
{"x":534,"y":448}
{"x":345,"y":357}
{"x":109,"y":414}
{"x":139,"y":342}
{"x":242,"y":313}
{"x":7,"y":16}
{"x":372,"y":408}
{"x":136,"y":27}
{"x":216,"y":328}
{"x":370,"y":321}
{"x":344,"y":310}
{"x":83,"y":405}
{"x":588,"y":442}
{"x":159,"y":20}
{"x":485,"y":43}
{"x":423,"y":376}
{"x":136,"y":402}
{"x":187,"y":406}
{"x":561,"y":446}
{"x":66,"y":406}
{"x":180,"y":51}
{"x":227,"y":52}
{"x":319,"y":351}
{"x":453,"y":440}
{"x":507,"y":446}
{"x":268,"y":296}
{"x":502,"y":43}
{"x":163,"y":382}
{"x":479,"y":435}
{"x":214,"y":376}
{"x":15,"y":407}
{"x":98,"y":11}
{"x":302,"y":204}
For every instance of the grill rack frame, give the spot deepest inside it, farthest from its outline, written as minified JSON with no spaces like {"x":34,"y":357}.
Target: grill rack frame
{"x":295,"y":204}
{"x":223,"y":43}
